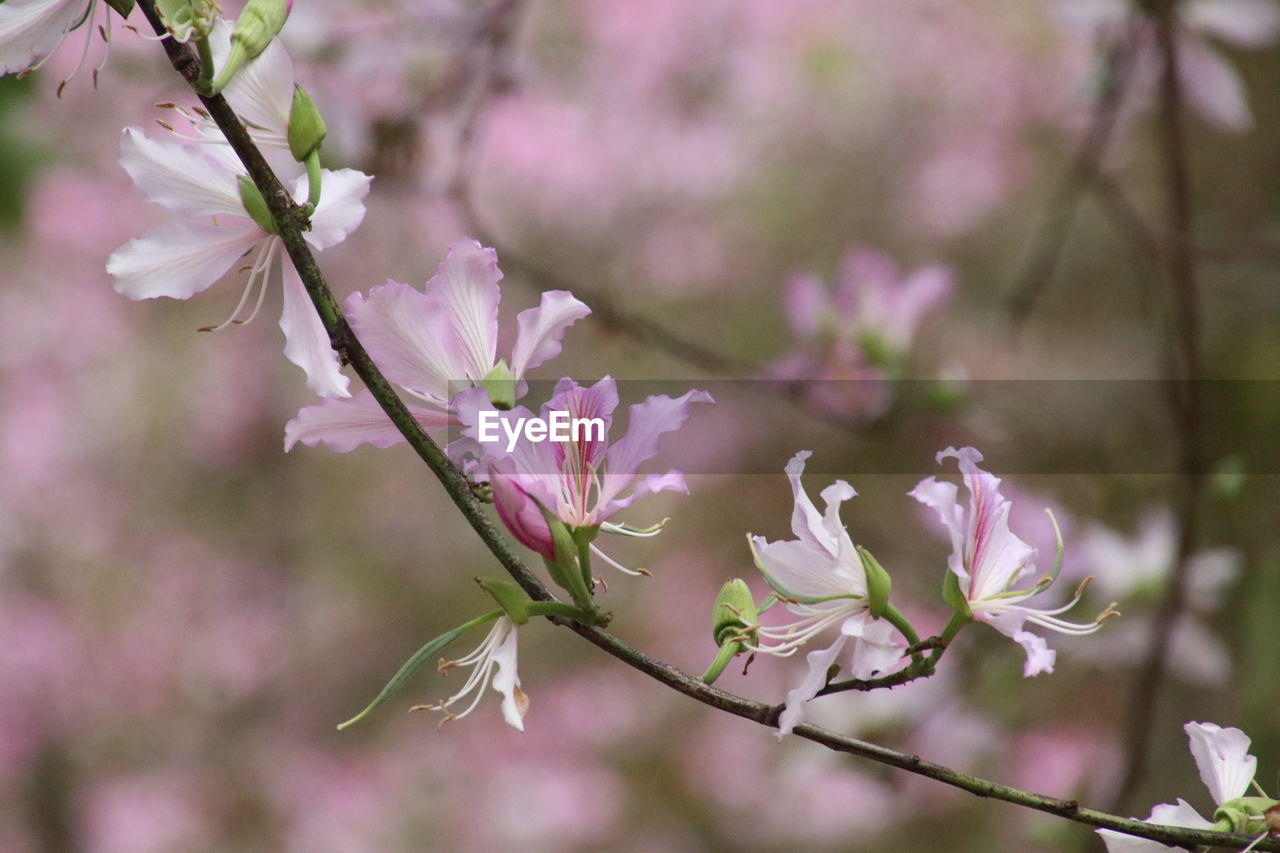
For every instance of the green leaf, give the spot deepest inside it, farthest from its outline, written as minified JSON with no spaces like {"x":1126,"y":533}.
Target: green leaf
{"x":414,"y":663}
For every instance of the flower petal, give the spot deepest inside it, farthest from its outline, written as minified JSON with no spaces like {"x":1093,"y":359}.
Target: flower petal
{"x":1040,"y":658}
{"x":466,"y":286}
{"x":341,"y":207}
{"x":1166,"y":814}
{"x":646,"y":423}
{"x":262,"y":90}
{"x":521,"y":515}
{"x":181,"y":258}
{"x":875,"y":653}
{"x":814,"y":680}
{"x":1213,"y":87}
{"x":407,"y":335}
{"x":515,"y":704}
{"x":1243,"y":23}
{"x":30,"y":30}
{"x":306,"y":343}
{"x":798,"y":569}
{"x":1223,"y":759}
{"x":345,"y":424}
{"x":190,"y":180}
{"x":540,"y":330}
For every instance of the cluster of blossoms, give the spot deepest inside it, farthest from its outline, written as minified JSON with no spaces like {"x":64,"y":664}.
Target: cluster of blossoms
{"x":824,"y":580}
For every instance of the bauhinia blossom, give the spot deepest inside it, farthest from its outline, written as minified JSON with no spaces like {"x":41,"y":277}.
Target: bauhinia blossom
{"x":492,"y":663}
{"x":1227,"y":770}
{"x":582,"y":482}
{"x":988,"y":560}
{"x":31,"y":30}
{"x":821,"y":579}
{"x":434,"y":344}
{"x":179,"y":259}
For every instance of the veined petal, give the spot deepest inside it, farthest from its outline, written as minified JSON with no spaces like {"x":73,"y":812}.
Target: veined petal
{"x":540,"y":330}
{"x":521,"y":515}
{"x":407,"y":335}
{"x":646,"y":424}
{"x":345,"y":424}
{"x":1223,"y":759}
{"x":466,"y":286}
{"x":942,"y":497}
{"x":1165,"y":814}
{"x":306,"y":343}
{"x":996,"y":558}
{"x":30,"y":30}
{"x":1213,"y":86}
{"x":1040,"y":658}
{"x":798,"y":569}
{"x":180,"y":259}
{"x":190,"y":180}
{"x":814,"y":680}
{"x":875,"y":653}
{"x":341,"y":207}
{"x":1243,"y":23}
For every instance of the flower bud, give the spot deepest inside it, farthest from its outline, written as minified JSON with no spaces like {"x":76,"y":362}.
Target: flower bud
{"x":733,"y":613}
{"x":513,"y":600}
{"x":306,"y":125}
{"x":878,"y":584}
{"x":500,"y":385}
{"x":256,"y":206}
{"x":257,"y":25}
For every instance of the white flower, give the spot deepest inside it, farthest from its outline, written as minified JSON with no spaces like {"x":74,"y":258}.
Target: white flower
{"x":31,"y":30}
{"x":820,"y":578}
{"x":182,"y":258}
{"x":988,"y":560}
{"x":493,"y":662}
{"x":1226,"y":768}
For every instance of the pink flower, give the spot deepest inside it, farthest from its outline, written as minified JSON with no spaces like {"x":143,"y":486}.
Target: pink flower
{"x":821,"y":579}
{"x":581,"y":482}
{"x":179,"y":259}
{"x":423,"y":341}
{"x":988,"y":560}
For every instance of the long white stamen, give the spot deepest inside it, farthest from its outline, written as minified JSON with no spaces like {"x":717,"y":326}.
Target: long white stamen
{"x":602,"y":555}
{"x":273,"y":249}
{"x":254,"y":277}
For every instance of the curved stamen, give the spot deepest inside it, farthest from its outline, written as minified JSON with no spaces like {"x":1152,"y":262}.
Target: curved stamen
{"x":254,"y":278}
{"x":633,"y":572}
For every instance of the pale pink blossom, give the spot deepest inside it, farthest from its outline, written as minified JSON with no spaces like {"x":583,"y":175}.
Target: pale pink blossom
{"x":582,"y":482}
{"x":434,"y":344}
{"x":1227,"y":770}
{"x":31,"y":30}
{"x":989,"y":560}
{"x":179,"y":259}
{"x":493,"y":662}
{"x":820,"y":578}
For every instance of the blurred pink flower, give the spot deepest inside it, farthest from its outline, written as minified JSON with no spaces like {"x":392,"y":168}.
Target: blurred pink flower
{"x":182,"y":258}
{"x":988,"y":559}
{"x":424,"y":341}
{"x":820,"y":578}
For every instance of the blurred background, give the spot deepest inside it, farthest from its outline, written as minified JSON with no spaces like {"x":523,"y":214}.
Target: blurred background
{"x":741,"y":190}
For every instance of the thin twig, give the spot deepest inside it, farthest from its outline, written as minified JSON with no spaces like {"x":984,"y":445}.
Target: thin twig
{"x":291,"y":225}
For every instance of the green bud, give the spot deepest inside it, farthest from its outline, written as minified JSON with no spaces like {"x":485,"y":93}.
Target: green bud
{"x":878,"y":584}
{"x":1245,"y":814}
{"x":500,"y":386}
{"x":306,"y":125}
{"x":256,"y":206}
{"x":733,"y":613}
{"x":257,"y":25}
{"x":186,"y":19}
{"x":510,"y":597}
{"x":954,"y":596}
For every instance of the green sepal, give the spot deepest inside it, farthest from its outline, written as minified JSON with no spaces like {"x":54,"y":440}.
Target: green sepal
{"x":123,"y":7}
{"x":306,"y":126}
{"x":510,"y":597}
{"x":256,"y":206}
{"x":1245,"y":814}
{"x":878,"y":583}
{"x":413,"y":664}
{"x":500,"y":385}
{"x":954,"y":596}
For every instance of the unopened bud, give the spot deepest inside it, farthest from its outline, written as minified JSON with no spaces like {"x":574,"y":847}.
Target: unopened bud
{"x":878,"y":583}
{"x":306,"y":125}
{"x":734,"y":613}
{"x":257,"y":25}
{"x":513,"y":600}
{"x":187,"y":19}
{"x":124,"y":7}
